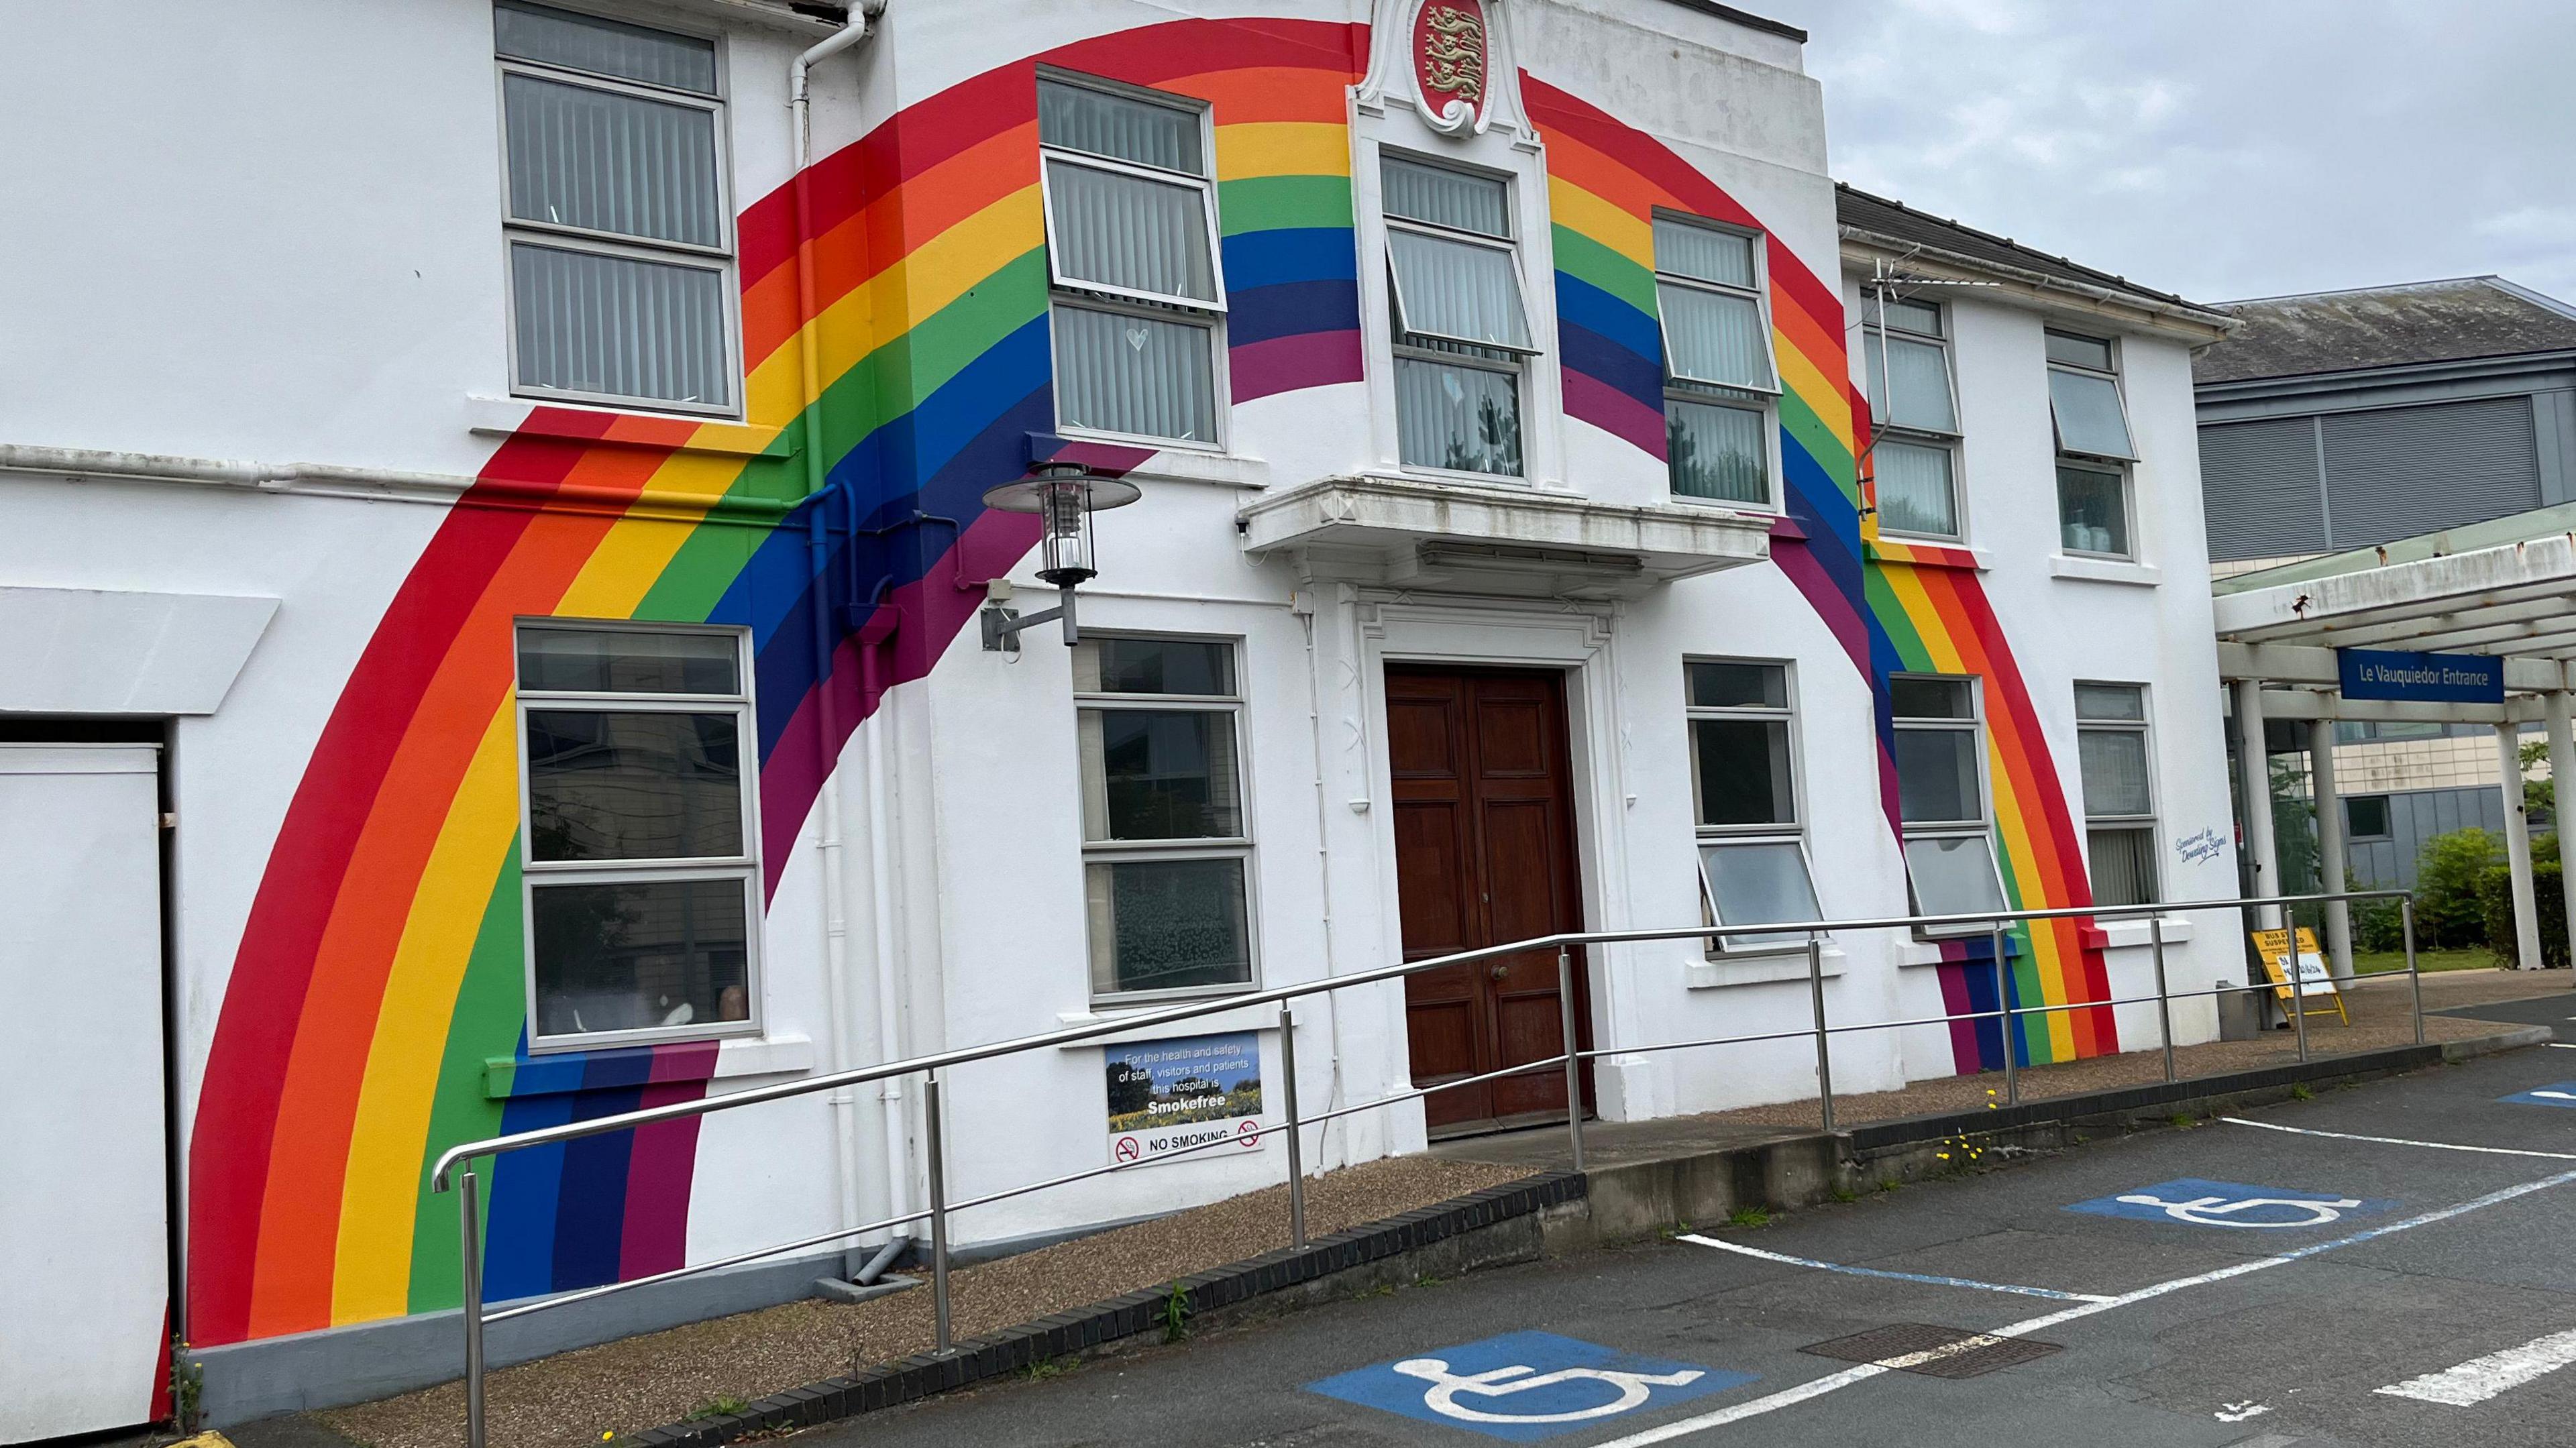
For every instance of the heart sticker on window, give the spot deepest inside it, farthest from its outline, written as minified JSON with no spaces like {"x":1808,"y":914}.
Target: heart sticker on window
{"x":1136,"y":338}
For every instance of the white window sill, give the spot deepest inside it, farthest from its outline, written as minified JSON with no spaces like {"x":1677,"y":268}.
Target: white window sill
{"x":1183,"y":465}
{"x":2106,"y":570}
{"x":2135,"y":931}
{"x":765,"y":1056}
{"x":1760,"y":967}
{"x":1238,"y":1018}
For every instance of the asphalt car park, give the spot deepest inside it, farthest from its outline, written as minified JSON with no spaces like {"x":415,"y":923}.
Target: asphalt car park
{"x":2380,"y":1265}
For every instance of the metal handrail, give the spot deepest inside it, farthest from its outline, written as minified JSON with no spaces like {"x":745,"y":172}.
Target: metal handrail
{"x":444,"y":1175}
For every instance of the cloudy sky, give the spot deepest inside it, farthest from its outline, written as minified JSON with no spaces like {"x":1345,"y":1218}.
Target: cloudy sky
{"x":2219,"y":148}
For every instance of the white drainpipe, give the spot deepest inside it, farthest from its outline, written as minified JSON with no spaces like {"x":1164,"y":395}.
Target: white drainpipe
{"x":837,"y":997}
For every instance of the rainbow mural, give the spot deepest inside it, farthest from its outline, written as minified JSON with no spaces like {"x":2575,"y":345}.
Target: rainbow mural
{"x":1893,"y":608}
{"x":374,"y":1013}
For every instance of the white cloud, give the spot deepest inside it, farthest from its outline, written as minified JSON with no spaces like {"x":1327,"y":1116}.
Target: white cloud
{"x":2219,"y":148}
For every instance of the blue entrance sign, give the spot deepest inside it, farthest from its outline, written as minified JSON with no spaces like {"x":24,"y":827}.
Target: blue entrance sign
{"x":2433,"y":678}
{"x":2202,"y":1203}
{"x":2562,"y":1094}
{"x":1525,"y":1386}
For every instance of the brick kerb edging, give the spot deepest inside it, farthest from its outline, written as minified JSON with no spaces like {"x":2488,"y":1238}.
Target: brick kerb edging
{"x":999,"y":1354}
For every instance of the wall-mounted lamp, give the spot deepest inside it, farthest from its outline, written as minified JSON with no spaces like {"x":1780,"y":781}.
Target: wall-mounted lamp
{"x":1064,"y":495}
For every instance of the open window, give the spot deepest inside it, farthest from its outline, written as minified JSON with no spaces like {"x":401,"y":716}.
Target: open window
{"x":1941,"y":799}
{"x":2094,"y":446}
{"x":1132,"y":254}
{"x":1462,"y":331}
{"x":1744,"y":784}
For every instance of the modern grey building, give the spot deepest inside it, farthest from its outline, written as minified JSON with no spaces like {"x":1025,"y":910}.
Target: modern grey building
{"x":2340,"y":420}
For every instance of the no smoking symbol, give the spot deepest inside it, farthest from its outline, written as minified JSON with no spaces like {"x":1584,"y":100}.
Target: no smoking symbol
{"x":1249,"y":1133}
{"x":1127,"y":1149}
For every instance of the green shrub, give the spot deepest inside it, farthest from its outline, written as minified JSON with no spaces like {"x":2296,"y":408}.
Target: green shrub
{"x":2448,"y":911}
{"x":2377,"y":925}
{"x":2495,"y":895}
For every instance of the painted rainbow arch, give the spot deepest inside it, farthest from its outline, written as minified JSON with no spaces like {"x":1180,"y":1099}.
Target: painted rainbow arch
{"x":1894,"y":608}
{"x":374,"y":1013}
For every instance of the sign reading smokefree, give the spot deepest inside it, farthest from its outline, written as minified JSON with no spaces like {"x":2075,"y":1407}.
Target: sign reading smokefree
{"x":2438,"y":678}
{"x":1168,"y":1096}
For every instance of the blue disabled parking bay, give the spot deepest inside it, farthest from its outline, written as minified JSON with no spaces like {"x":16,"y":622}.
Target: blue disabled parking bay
{"x":1526,"y":1386}
{"x":2196,"y":1202}
{"x":2561,"y":1094}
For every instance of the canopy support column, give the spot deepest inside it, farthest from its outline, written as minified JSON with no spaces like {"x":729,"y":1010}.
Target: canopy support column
{"x":2517,"y":848}
{"x":2331,"y":870}
{"x":2257,"y":768}
{"x":2562,"y":766}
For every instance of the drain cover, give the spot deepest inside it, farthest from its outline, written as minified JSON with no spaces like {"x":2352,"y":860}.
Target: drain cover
{"x":1937,"y":1352}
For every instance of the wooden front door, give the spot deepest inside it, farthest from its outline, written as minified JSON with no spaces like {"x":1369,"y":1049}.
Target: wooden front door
{"x":1484,"y":854}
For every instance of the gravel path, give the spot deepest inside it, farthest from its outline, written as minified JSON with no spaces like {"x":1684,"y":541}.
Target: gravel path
{"x":645,"y":1382}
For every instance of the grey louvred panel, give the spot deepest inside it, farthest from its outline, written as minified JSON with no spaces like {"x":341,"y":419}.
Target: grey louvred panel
{"x":2402,"y":471}
{"x":2259,"y":483}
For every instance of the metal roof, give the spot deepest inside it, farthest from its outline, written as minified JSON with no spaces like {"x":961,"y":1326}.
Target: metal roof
{"x":2506,"y":587}
{"x":2369,"y":327}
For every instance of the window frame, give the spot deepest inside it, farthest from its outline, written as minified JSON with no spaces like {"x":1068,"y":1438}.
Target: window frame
{"x":1792,"y":832}
{"x":1762,"y":402}
{"x":721,"y":258}
{"x":2124,"y":467}
{"x":1209,"y":316}
{"x":1980,"y":828}
{"x":1237,"y":707}
{"x":2066,"y":462}
{"x":1516,"y":363}
{"x":2353,"y":834}
{"x":1948,"y":444}
{"x":746,"y":865}
{"x":2152,"y":822}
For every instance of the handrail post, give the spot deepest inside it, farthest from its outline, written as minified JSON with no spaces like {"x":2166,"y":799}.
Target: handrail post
{"x":469,"y":1236}
{"x":2164,"y":1000}
{"x":1816,"y":1005}
{"x":2012,"y":1022}
{"x":2298,"y":986}
{"x":1573,"y":1055}
{"x":1296,"y":1148}
{"x":938,"y":1164}
{"x":2414,"y":976}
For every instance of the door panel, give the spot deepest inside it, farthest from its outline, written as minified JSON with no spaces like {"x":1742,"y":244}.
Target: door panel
{"x":84,"y":1230}
{"x":1484,"y":828}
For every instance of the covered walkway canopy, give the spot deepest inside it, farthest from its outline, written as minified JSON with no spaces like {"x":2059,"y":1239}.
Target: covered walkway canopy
{"x":2505,"y":589}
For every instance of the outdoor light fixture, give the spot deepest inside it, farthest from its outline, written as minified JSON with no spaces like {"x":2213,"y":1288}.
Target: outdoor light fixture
{"x":1064,"y":495}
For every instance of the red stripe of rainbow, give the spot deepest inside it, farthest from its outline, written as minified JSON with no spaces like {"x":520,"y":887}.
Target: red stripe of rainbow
{"x":379,"y":969}
{"x":1894,"y":609}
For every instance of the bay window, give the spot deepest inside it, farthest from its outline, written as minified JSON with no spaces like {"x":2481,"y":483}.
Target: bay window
{"x":1752,"y":842}
{"x":1914,"y":416}
{"x":1166,"y":842}
{"x":619,"y":227}
{"x":1132,"y":257}
{"x":1941,"y":798}
{"x":2119,"y":792}
{"x":638,"y":853}
{"x":1719,"y":376}
{"x":2093,"y":443}
{"x":1462,"y":333}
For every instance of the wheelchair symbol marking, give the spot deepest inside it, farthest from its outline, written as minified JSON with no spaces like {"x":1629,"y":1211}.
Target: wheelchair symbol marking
{"x":2217,"y":1211}
{"x":1526,"y":1386}
{"x":1493,"y":1383}
{"x":2194,"y":1202}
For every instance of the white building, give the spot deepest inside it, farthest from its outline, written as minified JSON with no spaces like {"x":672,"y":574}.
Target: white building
{"x":448,"y":444}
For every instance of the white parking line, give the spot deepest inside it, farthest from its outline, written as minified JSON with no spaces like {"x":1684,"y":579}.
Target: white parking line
{"x":2479,"y":1379}
{"x":2401,"y":1141}
{"x":1846,"y":1268}
{"x":1836,"y":1382}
